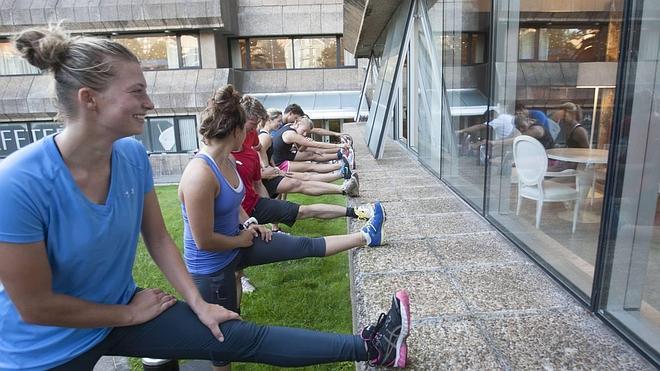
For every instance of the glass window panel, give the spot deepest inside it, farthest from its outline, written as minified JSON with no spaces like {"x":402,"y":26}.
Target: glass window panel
{"x":389,"y":65}
{"x":572,"y":44}
{"x":465,"y":75}
{"x":11,"y":63}
{"x":162,"y":136}
{"x":270,"y":54}
{"x":190,"y":50}
{"x":633,"y":278}
{"x":43,"y":129}
{"x":238,"y":53}
{"x":527,"y":41}
{"x":154,"y":52}
{"x":188,"y":132}
{"x":315,"y":53}
{"x":13,"y":137}
{"x":557,"y":105}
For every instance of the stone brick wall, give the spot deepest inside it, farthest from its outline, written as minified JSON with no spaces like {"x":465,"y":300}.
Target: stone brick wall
{"x":290,"y":17}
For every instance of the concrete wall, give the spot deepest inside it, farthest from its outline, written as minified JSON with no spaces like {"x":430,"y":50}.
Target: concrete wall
{"x":117,"y":15}
{"x":207,"y":49}
{"x":169,"y":165}
{"x":299,"y":80}
{"x":289,"y":17}
{"x":172,"y":91}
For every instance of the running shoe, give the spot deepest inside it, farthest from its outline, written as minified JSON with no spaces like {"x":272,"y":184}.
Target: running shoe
{"x":350,"y":187}
{"x":246,"y":285}
{"x":373,"y":232}
{"x":386,"y":339}
{"x":364,"y":212}
{"x":345,"y":169}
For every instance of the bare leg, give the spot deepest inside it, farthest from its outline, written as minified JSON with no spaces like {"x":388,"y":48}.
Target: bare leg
{"x":337,"y":244}
{"x":319,"y":177}
{"x":310,"y":188}
{"x":296,"y":166}
{"x":319,"y":157}
{"x":321,"y":211}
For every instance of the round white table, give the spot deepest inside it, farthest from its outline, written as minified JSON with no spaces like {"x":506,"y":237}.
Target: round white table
{"x":580,"y":155}
{"x":585,"y":158}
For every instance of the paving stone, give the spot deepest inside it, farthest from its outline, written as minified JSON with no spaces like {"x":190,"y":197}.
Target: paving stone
{"x":481,"y":248}
{"x":509,"y":287}
{"x":431,"y":295}
{"x":450,"y":345}
{"x":572,"y":340}
{"x":422,"y":207}
{"x":396,"y":257}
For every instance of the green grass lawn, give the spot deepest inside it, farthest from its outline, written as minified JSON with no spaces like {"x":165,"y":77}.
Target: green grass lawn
{"x":310,"y":293}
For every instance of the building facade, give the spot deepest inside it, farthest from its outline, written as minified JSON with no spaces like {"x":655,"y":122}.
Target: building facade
{"x":292,"y":49}
{"x":457,"y":82}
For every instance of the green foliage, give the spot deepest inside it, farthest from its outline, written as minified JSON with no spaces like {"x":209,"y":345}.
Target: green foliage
{"x":310,"y":293}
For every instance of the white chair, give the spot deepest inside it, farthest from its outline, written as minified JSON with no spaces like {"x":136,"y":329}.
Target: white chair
{"x":531,"y":165}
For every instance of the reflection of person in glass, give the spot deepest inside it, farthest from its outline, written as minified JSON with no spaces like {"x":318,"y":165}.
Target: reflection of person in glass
{"x":502,"y":125}
{"x":550,"y":125}
{"x":569,"y":116}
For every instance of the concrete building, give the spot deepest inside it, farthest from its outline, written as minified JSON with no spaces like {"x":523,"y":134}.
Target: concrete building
{"x":440,"y":69}
{"x":188,"y":49}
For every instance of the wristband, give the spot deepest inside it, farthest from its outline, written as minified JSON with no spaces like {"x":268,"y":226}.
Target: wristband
{"x":248,"y":223}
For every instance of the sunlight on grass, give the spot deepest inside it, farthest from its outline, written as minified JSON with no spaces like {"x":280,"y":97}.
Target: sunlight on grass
{"x":310,"y":293}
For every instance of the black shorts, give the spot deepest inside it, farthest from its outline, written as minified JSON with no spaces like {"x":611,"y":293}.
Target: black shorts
{"x":271,"y":186}
{"x":269,"y":210}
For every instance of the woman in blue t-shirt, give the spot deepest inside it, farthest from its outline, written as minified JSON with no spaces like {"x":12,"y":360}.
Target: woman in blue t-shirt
{"x":73,"y":206}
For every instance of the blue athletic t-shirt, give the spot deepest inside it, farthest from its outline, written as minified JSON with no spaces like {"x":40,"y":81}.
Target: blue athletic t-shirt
{"x":90,"y":247}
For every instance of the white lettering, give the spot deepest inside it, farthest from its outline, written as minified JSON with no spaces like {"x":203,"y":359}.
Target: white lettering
{"x":4,"y":139}
{"x":19,"y":139}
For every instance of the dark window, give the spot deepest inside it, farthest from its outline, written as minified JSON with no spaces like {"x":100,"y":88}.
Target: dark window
{"x":16,"y":135}
{"x":465,"y":47}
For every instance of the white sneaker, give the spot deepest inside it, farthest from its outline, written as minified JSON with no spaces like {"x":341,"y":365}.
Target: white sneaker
{"x":364,"y":212}
{"x":351,"y":187}
{"x":247,"y":286}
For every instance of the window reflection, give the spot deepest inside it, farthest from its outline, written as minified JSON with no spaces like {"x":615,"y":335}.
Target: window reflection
{"x":11,"y":63}
{"x":163,"y":52}
{"x":315,"y":53}
{"x":270,"y":54}
{"x":289,"y":53}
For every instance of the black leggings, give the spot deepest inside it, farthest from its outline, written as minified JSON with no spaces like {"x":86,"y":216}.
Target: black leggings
{"x":220,"y":287}
{"x":178,"y":334}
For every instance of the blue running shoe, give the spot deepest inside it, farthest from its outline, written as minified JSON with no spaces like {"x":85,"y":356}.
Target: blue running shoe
{"x":373,"y":232}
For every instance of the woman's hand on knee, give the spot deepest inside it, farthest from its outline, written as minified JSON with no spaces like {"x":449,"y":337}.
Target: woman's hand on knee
{"x":263,"y":232}
{"x":147,"y":304}
{"x":212,"y":315}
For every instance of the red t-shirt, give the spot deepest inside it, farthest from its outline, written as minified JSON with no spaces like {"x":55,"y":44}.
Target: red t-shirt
{"x":249,"y":169}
